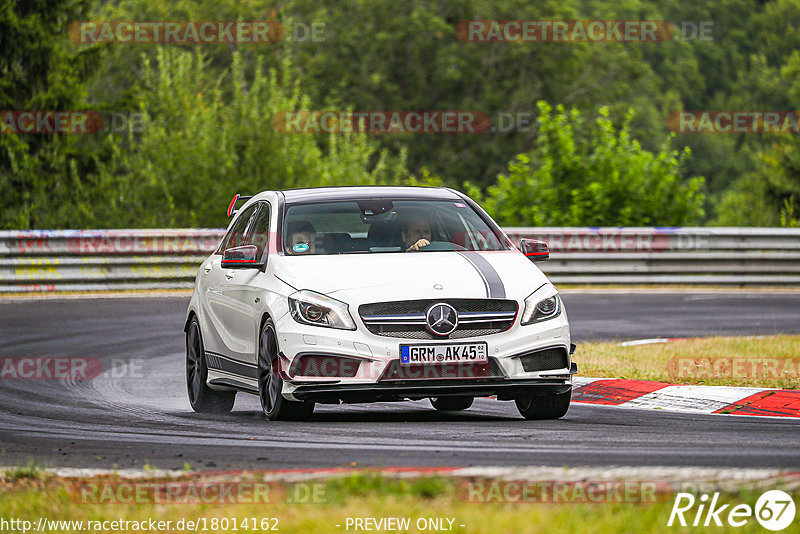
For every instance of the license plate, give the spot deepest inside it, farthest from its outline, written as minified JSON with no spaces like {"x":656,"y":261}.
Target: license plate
{"x":441,"y":353}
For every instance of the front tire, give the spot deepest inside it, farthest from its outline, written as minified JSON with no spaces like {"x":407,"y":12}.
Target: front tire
{"x":202,"y":398}
{"x":553,"y":406}
{"x":451,"y":404}
{"x":270,"y":382}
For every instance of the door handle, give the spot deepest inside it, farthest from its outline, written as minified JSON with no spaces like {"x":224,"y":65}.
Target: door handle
{"x":207,"y":269}
{"x":228,"y":276}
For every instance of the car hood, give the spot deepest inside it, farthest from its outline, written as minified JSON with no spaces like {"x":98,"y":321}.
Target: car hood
{"x":407,"y":276}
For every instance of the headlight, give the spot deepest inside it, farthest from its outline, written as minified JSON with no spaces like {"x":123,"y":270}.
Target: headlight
{"x":541,"y":305}
{"x":309,"y":307}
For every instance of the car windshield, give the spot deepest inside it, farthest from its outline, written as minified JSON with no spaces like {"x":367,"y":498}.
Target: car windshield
{"x":377,"y":226}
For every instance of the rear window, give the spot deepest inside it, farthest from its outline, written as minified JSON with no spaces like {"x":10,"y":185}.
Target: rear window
{"x":384,"y":226}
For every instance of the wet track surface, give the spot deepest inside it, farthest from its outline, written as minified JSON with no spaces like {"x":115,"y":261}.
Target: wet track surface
{"x":144,"y":417}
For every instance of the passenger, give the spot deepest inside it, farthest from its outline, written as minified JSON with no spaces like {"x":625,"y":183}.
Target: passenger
{"x":302,"y":236}
{"x":415,"y":232}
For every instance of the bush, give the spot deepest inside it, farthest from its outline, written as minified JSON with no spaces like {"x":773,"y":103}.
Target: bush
{"x":204,"y":139}
{"x":583,"y":173}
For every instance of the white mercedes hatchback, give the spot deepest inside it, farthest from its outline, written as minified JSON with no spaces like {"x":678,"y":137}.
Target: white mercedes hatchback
{"x":374,"y":294}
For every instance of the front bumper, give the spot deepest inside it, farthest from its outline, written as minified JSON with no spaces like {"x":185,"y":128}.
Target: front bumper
{"x":377,"y":354}
{"x":414,"y":390}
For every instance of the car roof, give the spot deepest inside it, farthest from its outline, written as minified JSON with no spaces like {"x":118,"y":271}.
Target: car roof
{"x":360,"y":192}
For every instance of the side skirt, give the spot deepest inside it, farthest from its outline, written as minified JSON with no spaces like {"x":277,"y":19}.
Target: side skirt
{"x":225,"y":373}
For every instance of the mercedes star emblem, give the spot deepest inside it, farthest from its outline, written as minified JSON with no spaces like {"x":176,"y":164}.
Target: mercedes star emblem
{"x":442,"y":319}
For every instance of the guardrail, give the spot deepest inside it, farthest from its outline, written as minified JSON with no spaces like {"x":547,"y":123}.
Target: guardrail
{"x":87,"y":260}
{"x":102,"y":260}
{"x":692,"y":256}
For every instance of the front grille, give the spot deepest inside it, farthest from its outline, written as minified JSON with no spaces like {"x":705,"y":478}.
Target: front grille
{"x":395,"y":371}
{"x":406,"y":319}
{"x":545,"y":360}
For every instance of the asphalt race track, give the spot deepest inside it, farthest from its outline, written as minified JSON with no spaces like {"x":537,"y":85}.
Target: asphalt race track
{"x":144,"y":417}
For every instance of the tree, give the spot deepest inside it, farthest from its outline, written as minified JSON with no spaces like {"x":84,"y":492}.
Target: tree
{"x":38,"y":71}
{"x":770,"y":194}
{"x":195,"y":147}
{"x":587,"y":173}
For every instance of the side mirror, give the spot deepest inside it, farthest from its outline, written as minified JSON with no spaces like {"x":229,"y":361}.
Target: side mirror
{"x":534,"y":249}
{"x":244,"y":257}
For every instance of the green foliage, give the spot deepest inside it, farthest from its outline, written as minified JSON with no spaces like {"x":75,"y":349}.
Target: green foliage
{"x":790,"y":217}
{"x":208,"y":109}
{"x":196,"y":147}
{"x":389,"y":55}
{"x":340,"y":489}
{"x":31,"y":470}
{"x":37,"y":68}
{"x":769,"y":195}
{"x":38,"y":71}
{"x":584,"y":172}
{"x":192,"y":147}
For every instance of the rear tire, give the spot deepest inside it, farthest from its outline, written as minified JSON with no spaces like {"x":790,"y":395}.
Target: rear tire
{"x":270,"y":383}
{"x":202,"y":398}
{"x":553,"y":406}
{"x":451,"y":404}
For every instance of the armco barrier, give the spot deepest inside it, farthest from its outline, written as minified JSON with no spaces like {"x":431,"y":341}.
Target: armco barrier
{"x":71,"y":260}
{"x":695,"y":256}
{"x":104,"y":260}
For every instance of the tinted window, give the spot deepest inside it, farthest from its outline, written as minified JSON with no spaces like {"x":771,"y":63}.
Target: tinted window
{"x":259,"y":229}
{"x":236,"y":235}
{"x":375,"y":226}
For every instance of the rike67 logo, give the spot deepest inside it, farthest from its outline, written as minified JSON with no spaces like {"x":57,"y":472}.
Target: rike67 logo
{"x":774,"y":510}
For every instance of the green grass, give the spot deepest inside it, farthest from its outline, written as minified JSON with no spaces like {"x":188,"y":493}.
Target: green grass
{"x":341,"y":489}
{"x":770,"y":361}
{"x":31,"y":470}
{"x":363,"y":495}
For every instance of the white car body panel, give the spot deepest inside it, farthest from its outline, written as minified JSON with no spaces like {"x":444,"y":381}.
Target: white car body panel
{"x":380,"y":277}
{"x":231,"y":304}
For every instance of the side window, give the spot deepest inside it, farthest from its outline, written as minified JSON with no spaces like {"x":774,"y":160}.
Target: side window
{"x":259,"y":229}
{"x":236,"y":234}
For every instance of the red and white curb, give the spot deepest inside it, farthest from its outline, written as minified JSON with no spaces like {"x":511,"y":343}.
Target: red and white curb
{"x":694,"y":399}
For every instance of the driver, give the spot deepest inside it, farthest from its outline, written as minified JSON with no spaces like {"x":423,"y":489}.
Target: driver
{"x":416,"y":232}
{"x":302,"y":236}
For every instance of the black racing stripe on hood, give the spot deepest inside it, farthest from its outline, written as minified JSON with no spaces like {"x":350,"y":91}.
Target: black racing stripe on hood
{"x":494,"y":285}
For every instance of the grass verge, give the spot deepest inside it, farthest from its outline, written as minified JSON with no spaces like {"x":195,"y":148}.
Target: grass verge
{"x":30,"y":470}
{"x":763,"y":361}
{"x":327,"y":509}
